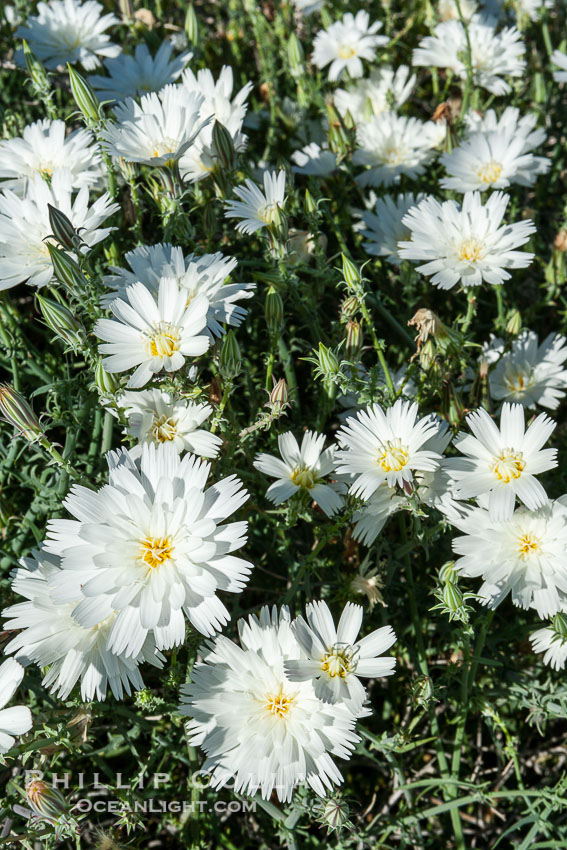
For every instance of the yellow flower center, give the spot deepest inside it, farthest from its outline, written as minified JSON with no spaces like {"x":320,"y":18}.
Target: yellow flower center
{"x":489,"y":172}
{"x":340,"y":661}
{"x":471,"y":250}
{"x":164,"y":429}
{"x":303,"y":477}
{"x":508,"y":465}
{"x":393,"y":456}
{"x":393,"y":154}
{"x":164,"y":341}
{"x":156,"y":551}
{"x":278,"y":705}
{"x":518,"y":382}
{"x":346,"y":51}
{"x":528,"y":543}
{"x":164,"y":147}
{"x":268,"y":213}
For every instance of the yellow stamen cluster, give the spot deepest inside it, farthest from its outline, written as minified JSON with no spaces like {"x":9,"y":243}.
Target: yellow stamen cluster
{"x":340,"y":661}
{"x":393,"y":456}
{"x":156,"y":551}
{"x":471,"y":250}
{"x":508,"y":465}
{"x":489,"y":172}
{"x":278,"y":705}
{"x":164,"y":429}
{"x":303,"y":477}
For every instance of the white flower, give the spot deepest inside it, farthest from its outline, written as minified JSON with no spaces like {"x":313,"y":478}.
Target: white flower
{"x":52,"y":638}
{"x":132,"y":76}
{"x":384,"y":228}
{"x":153,"y":335}
{"x":560,"y":59}
{"x":531,"y":9}
{"x":302,"y":469}
{"x":503,"y":462}
{"x":373,"y":515}
{"x":387,"y":446}
{"x":494,"y":54}
{"x":493,"y":160}
{"x":68,"y":31}
{"x":465,"y":244}
{"x":257,"y":727}
{"x":158,"y":130}
{"x":312,"y":159}
{"x":157,"y":417}
{"x":531,"y":374}
{"x":43,"y":149}
{"x":218,"y":105}
{"x":383,"y":90}
{"x":256,"y":208}
{"x":523,"y":555}
{"x":204,"y":275}
{"x":16,"y":720}
{"x":511,"y":123}
{"x":553,"y":643}
{"x":346,"y":43}
{"x":150,"y":547}
{"x":335,"y":659}
{"x":392,"y":146}
{"x":24,"y":226}
{"x":447,"y":9}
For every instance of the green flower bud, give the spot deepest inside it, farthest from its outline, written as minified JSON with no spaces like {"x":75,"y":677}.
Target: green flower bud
{"x":15,"y":410}
{"x":310,"y":205}
{"x":350,"y":272}
{"x":224,"y":146}
{"x":353,"y":340}
{"x":427,"y":354}
{"x":37,"y":72}
{"x":106,"y":382}
{"x":66,"y":269}
{"x":559,"y":626}
{"x":85,"y":97}
{"x":63,"y":230}
{"x":447,"y":572}
{"x":295,"y":55}
{"x":279,"y":398}
{"x":191,"y":25}
{"x":47,"y":802}
{"x":230,"y":360}
{"x":338,"y":138}
{"x":274,"y":311}
{"x":328,"y":361}
{"x":126,"y":10}
{"x":452,"y":597}
{"x":335,"y":814}
{"x":514,"y":323}
{"x":61,"y":321}
{"x":422,"y":691}
{"x":349,"y":307}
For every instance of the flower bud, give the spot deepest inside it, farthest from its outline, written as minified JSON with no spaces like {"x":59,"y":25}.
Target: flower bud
{"x":106,"y":382}
{"x":514,"y":323}
{"x":349,"y":307}
{"x":279,"y":398}
{"x":224,"y":146}
{"x":61,"y":321}
{"x":229,"y":359}
{"x":452,"y":597}
{"x":47,"y":802}
{"x":62,"y":229}
{"x":126,"y":11}
{"x":338,"y":139}
{"x":328,"y":361}
{"x":335,"y":814}
{"x":295,"y":55}
{"x":84,"y":96}
{"x":274,"y":311}
{"x":427,"y":354}
{"x":559,"y":625}
{"x":191,"y":25}
{"x":37,"y":72}
{"x":350,"y":272}
{"x":447,"y":572}
{"x":310,"y":205}
{"x":422,"y":691}
{"x":15,"y":410}
{"x":353,"y":340}
{"x":66,"y":269}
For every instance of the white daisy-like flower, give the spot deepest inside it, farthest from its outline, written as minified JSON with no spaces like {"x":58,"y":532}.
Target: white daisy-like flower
{"x":523,"y":555}
{"x":384,"y":228}
{"x":302,"y":468}
{"x":511,"y":123}
{"x":346,"y":43}
{"x":68,"y":31}
{"x":503,"y":462}
{"x":151,"y":548}
{"x":132,"y":76}
{"x":256,"y":727}
{"x":531,"y":374}
{"x":258,"y":209}
{"x":218,"y":105}
{"x":43,"y":149}
{"x":552,"y":642}
{"x":373,"y":515}
{"x":155,"y":416}
{"x":52,"y":638}
{"x":24,"y":226}
{"x":153,"y":335}
{"x":384,"y":90}
{"x":491,"y":161}
{"x":335,"y":658}
{"x":17,"y":720}
{"x":494,"y":54}
{"x":531,"y":10}
{"x":313,"y":159}
{"x":560,"y":59}
{"x":386,"y":446}
{"x":158,"y":130}
{"x":392,"y":146}
{"x":195,"y":275}
{"x":465,"y":244}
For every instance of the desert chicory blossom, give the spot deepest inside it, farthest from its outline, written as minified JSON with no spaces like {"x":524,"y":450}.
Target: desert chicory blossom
{"x":258,"y":209}
{"x":16,"y":720}
{"x":552,"y":641}
{"x":384,"y":90}
{"x":256,"y":727}
{"x":383,"y":227}
{"x":346,"y":43}
{"x":153,"y":335}
{"x":302,"y":468}
{"x":560,"y":59}
{"x":502,"y":462}
{"x":335,"y":658}
{"x":531,"y":374}
{"x":133,"y":76}
{"x":465,"y":244}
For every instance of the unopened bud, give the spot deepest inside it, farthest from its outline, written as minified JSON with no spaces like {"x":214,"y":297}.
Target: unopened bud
{"x":191,"y":25}
{"x":353,"y":340}
{"x":295,"y":55}
{"x":452,"y":597}
{"x":46,"y":801}
{"x":328,"y":361}
{"x":63,"y":230}
{"x":85,"y":97}
{"x":335,"y":814}
{"x":106,"y":382}
{"x":447,"y":572}
{"x":514,"y":323}
{"x":126,"y":10}
{"x":350,"y":272}
{"x":338,"y":138}
{"x":427,"y":354}
{"x":349,"y":307}
{"x":66,"y":269}
{"x":274,"y":311}
{"x":15,"y":410}
{"x":422,"y":691}
{"x":61,"y":321}
{"x":310,"y":205}
{"x":230,"y":359}
{"x":224,"y":146}
{"x":279,"y":398}
{"x":37,"y":72}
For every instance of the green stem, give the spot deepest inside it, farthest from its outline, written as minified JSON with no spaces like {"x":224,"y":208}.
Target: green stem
{"x":469,"y":82}
{"x":471,"y":310}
